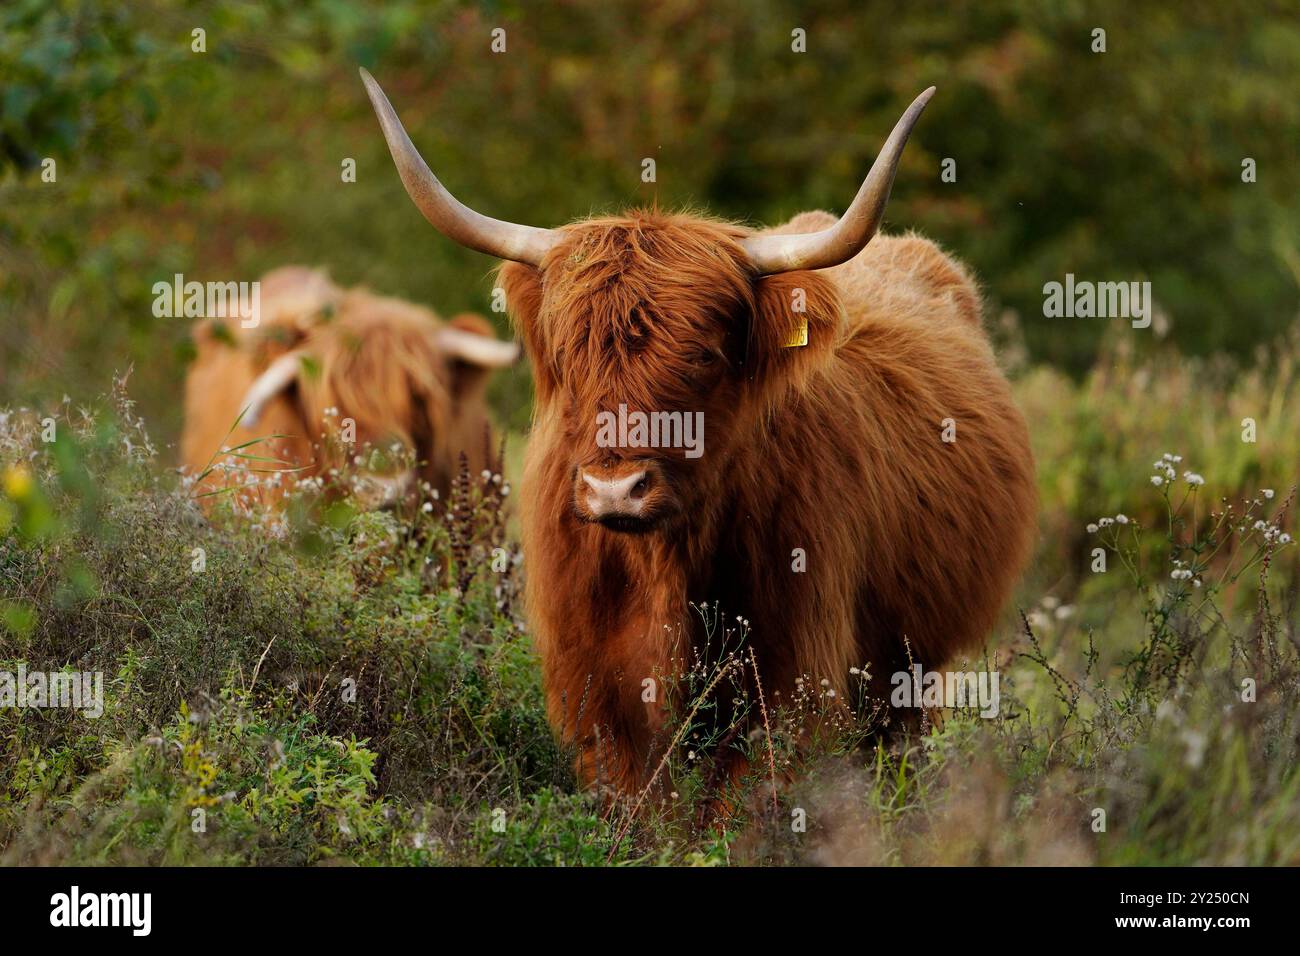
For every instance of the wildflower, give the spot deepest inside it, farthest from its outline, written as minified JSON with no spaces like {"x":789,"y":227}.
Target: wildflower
{"x":1195,"y":741}
{"x":1284,"y":538}
{"x":1121,"y":519}
{"x":1268,"y":493}
{"x":18,"y":482}
{"x":854,"y":671}
{"x":428,"y":507}
{"x":1193,"y":478}
{"x":1092,"y":529}
{"x":1106,"y":522}
{"x":1157,"y":480}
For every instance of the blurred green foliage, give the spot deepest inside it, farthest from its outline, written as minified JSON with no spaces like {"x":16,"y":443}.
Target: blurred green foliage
{"x":1121,"y":165}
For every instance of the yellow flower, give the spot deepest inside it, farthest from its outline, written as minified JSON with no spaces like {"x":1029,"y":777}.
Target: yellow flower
{"x":17,"y":482}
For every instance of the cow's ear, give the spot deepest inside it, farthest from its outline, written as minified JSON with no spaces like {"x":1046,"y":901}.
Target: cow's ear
{"x":797,"y":318}
{"x":522,"y":285}
{"x":211,"y":333}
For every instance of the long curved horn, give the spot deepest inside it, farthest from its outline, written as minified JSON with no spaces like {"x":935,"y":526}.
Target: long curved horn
{"x":455,"y":220}
{"x":844,"y":240}
{"x":477,"y":349}
{"x":277,"y":377}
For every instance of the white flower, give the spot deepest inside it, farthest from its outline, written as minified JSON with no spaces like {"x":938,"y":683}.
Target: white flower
{"x":1106,"y":522}
{"x":428,"y":507}
{"x":1268,"y":493}
{"x":1092,"y":529}
{"x":1284,"y":539}
{"x":1193,"y":478}
{"x":1157,"y":480}
{"x":854,"y":671}
{"x":1121,"y":519}
{"x":1170,"y":473}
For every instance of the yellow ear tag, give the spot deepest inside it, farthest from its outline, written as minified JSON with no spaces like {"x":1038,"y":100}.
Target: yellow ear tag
{"x":800,"y":335}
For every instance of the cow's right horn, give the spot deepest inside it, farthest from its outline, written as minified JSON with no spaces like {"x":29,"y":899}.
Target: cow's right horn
{"x":278,"y":376}
{"x":455,"y":220}
{"x":771,"y":253}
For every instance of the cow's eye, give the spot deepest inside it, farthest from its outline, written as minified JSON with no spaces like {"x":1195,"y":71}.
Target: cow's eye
{"x":706,"y":357}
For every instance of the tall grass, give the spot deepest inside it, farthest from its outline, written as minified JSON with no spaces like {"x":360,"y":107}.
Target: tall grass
{"x":340,"y":685}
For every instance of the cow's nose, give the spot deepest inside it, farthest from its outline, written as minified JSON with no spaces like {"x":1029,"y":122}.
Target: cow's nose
{"x":623,"y":495}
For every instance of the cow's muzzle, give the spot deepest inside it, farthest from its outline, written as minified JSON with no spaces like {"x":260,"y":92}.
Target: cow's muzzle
{"x":627,"y":496}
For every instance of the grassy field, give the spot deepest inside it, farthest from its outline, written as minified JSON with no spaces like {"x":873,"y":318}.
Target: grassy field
{"x":343,"y":687}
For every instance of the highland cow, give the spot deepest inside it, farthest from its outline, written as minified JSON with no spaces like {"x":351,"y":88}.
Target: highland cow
{"x":329,"y":376}
{"x":866,"y":495}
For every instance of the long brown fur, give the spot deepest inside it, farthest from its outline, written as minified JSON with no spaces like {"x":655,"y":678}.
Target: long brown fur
{"x":372,"y":359}
{"x":833,"y":448}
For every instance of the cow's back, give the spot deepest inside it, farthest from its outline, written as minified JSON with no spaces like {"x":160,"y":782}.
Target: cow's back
{"x":913,"y":535}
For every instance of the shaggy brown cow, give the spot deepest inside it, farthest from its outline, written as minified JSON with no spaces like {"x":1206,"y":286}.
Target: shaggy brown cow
{"x":325,"y":363}
{"x":829,"y":508}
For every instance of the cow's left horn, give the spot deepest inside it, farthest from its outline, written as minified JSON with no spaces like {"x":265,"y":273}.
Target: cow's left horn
{"x":477,"y":349}
{"x":455,"y":220}
{"x":774,"y":253}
